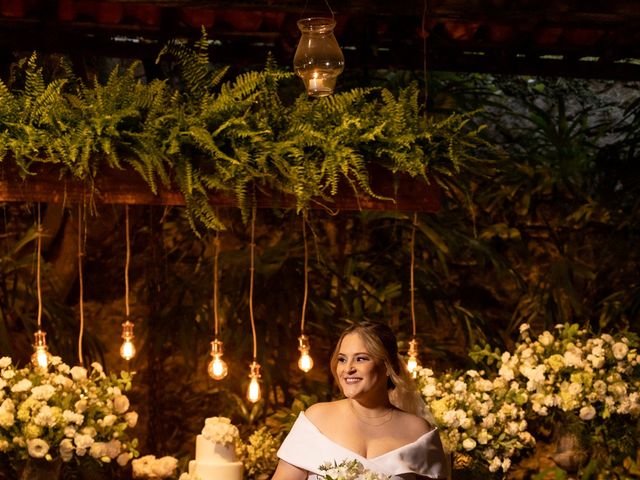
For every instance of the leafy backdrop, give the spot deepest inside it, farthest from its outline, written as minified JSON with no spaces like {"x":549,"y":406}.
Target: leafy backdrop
{"x":544,"y":233}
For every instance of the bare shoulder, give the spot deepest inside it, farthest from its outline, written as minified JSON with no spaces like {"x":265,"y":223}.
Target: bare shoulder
{"x":322,"y":410}
{"x":413,"y":425}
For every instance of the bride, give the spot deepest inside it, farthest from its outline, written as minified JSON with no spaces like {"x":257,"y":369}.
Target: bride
{"x":380,"y":422}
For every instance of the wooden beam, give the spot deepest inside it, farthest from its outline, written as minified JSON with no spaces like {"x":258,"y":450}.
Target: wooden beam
{"x":127,"y":187}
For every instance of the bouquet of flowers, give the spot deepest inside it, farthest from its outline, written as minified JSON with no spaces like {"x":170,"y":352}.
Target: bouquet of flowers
{"x":350,"y":470}
{"x":66,"y":412}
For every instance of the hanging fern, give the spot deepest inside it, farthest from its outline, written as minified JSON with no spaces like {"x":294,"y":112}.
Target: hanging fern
{"x":236,"y":136}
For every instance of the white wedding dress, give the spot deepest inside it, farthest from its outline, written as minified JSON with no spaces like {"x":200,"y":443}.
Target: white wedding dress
{"x":308,"y":448}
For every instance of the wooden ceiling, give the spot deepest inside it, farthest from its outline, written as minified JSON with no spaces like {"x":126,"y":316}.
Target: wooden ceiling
{"x":588,"y":38}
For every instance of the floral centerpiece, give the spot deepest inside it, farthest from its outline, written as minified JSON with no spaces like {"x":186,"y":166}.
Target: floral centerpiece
{"x":487,"y":416}
{"x":220,"y":430}
{"x":64,"y":413}
{"x":350,"y":470}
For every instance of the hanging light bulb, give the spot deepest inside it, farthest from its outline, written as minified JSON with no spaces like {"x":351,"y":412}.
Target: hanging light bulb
{"x":318,"y":59}
{"x":253,"y":392}
{"x":412,"y":361}
{"x":41,"y":356}
{"x":305,"y":362}
{"x":127,"y":349}
{"x":217,"y":367}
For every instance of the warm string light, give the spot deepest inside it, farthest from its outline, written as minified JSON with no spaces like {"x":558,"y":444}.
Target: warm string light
{"x":253,"y":392}
{"x":217,"y":367}
{"x":127,"y":349}
{"x":41,"y":356}
{"x":305,"y":362}
{"x":412,"y":362}
{"x":81,"y":285}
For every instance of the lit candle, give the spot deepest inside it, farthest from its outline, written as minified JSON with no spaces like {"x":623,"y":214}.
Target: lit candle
{"x":317,"y":85}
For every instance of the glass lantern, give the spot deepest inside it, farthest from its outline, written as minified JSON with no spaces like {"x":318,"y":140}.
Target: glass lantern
{"x":318,"y":59}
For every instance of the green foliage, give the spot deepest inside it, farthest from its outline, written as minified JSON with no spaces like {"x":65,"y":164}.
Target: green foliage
{"x":231,"y":137}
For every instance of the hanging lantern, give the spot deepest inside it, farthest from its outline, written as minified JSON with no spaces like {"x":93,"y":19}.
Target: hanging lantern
{"x":127,"y":349}
{"x":217,"y":368}
{"x":318,"y":59}
{"x":412,"y":361}
{"x":41,"y":356}
{"x":305,"y":363}
{"x":253,"y":392}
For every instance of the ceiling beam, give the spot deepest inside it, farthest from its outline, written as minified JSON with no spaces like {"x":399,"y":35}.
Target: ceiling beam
{"x":125,"y":187}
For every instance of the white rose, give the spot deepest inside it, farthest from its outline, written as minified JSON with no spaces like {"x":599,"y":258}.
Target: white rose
{"x":141,"y":467}
{"x":113,"y":448}
{"x":131,"y":418}
{"x":78,"y":373}
{"x":483,"y":437}
{"x":46,"y":417}
{"x":66,"y":450}
{"x":37,"y":447}
{"x":23,"y":385}
{"x":83,"y":441}
{"x":469,"y":444}
{"x":121,"y":403}
{"x":5,"y":362}
{"x":107,"y":421}
{"x":164,"y":467}
{"x":81,"y":406}
{"x":587,"y":413}
{"x":620,"y":350}
{"x":506,"y":372}
{"x":495,"y":465}
{"x":98,"y":450}
{"x":97,"y":367}
{"x":546,"y":338}
{"x":64,"y":382}
{"x":7,"y":419}
{"x":72,"y":417}
{"x":123,"y":459}
{"x":459,"y":386}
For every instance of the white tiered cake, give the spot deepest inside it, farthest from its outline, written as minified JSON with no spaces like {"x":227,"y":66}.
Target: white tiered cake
{"x":215,"y":452}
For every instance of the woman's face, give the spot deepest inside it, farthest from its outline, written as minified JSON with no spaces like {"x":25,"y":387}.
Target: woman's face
{"x":359,"y":374}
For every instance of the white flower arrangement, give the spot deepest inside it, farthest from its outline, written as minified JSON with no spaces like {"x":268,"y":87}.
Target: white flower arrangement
{"x":153,"y":468}
{"x":477,"y":416}
{"x":64,"y":412}
{"x":350,"y":470}
{"x":220,"y":430}
{"x":484,"y":414}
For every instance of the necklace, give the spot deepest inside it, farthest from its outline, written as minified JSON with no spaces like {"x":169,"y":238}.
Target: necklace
{"x":382,"y":419}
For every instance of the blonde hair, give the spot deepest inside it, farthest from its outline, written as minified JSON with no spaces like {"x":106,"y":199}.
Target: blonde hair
{"x":382,"y":345}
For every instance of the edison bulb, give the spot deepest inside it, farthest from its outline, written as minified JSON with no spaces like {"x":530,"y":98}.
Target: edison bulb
{"x":217,"y":368}
{"x":41,"y":357}
{"x":253,"y":392}
{"x":412,"y":366}
{"x":305,"y":362}
{"x":127,"y":350}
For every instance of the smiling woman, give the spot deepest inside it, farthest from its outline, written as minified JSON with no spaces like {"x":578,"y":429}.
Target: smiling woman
{"x":380,"y":423}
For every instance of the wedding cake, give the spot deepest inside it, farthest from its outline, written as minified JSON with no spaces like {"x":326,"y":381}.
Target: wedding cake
{"x":216,"y":452}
